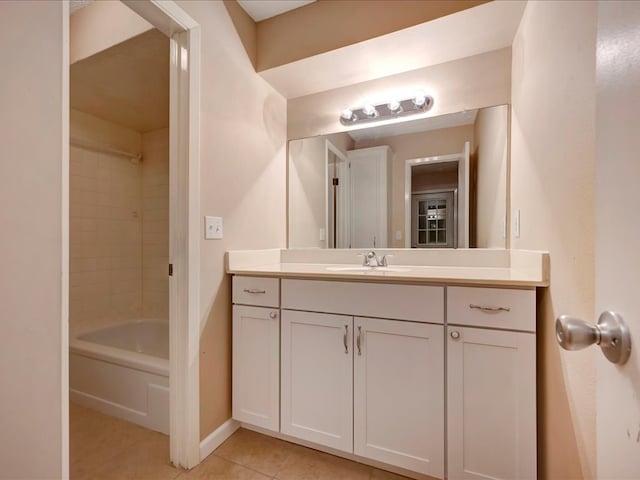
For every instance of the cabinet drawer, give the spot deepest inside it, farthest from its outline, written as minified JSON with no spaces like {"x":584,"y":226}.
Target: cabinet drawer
{"x":256,"y":291}
{"x":417,"y":303}
{"x":492,"y":307}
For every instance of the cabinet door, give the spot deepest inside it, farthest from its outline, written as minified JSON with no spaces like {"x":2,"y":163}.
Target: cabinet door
{"x":399,"y":394}
{"x":491,"y":404}
{"x":256,"y":369}
{"x":317,"y":376}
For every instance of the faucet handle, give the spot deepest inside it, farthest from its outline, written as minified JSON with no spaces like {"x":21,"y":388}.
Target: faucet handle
{"x":384,"y":262}
{"x":365,"y":259}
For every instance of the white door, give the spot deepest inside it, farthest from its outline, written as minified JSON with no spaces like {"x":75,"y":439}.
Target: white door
{"x":256,"y":366}
{"x":317,"y":378}
{"x":618,"y":232}
{"x":399,"y":394}
{"x":491,"y":404}
{"x":369,"y":196}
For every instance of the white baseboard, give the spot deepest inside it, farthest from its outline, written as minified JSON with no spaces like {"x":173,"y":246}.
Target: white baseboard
{"x":217,"y":437}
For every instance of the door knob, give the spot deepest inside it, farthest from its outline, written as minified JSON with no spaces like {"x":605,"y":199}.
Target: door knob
{"x":611,"y":333}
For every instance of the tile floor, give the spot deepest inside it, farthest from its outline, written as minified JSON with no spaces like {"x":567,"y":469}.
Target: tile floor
{"x":106,"y":448}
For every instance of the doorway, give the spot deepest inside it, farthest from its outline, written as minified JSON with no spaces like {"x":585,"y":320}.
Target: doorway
{"x":183,"y":35}
{"x":436,"y":201}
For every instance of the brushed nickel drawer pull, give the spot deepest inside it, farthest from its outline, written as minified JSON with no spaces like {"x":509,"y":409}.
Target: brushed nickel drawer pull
{"x":485,"y":308}
{"x":358,"y":340}
{"x":254,"y":290}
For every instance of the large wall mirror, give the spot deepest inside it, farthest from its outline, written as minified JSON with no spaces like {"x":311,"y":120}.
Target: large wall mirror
{"x":438,"y":182}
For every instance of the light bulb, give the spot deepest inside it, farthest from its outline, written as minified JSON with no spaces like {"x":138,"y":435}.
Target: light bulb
{"x":394,"y":106}
{"x":347,"y":114}
{"x":419,"y":100}
{"x":369,"y":110}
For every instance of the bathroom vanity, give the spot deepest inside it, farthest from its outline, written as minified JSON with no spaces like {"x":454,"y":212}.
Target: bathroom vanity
{"x":426,"y":367}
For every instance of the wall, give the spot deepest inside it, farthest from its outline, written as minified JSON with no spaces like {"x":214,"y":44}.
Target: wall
{"x":243,"y":179}
{"x":552,"y":183}
{"x":302,"y":32}
{"x":92,"y":32}
{"x":407,"y":147}
{"x":155,"y":224}
{"x":105,"y":225}
{"x":490,"y":150}
{"x":33,"y":365}
{"x":307,"y":192}
{"x":433,"y":180}
{"x":473,"y":82}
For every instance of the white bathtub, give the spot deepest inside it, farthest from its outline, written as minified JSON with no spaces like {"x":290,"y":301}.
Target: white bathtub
{"x":123,"y":370}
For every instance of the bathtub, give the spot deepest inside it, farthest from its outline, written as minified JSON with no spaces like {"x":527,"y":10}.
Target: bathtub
{"x":123,"y":370}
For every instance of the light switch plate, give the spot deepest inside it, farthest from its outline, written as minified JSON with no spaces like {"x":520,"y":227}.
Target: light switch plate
{"x":398,"y":234}
{"x":212,"y":228}
{"x":516,"y":223}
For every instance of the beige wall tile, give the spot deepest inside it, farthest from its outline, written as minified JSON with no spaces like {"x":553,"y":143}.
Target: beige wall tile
{"x":155,"y":223}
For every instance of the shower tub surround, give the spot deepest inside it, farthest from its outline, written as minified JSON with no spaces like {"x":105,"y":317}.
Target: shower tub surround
{"x":123,"y":370}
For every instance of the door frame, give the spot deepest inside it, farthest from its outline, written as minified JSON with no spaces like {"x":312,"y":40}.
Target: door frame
{"x":344,"y":195}
{"x":184,"y":224}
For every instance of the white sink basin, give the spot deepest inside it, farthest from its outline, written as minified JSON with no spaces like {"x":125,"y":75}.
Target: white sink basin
{"x":367,"y":269}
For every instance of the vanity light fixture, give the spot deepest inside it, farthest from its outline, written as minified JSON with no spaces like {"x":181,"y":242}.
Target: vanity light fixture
{"x":419,"y":103}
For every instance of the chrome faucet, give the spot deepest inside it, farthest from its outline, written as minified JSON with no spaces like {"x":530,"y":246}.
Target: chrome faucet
{"x":371,"y":259}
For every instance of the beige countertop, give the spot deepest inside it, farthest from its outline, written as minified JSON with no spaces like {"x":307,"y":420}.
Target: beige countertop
{"x":507,"y":268}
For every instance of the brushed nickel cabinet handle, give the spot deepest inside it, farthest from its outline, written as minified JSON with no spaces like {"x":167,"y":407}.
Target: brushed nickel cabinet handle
{"x":358,"y":339}
{"x":487,"y":308}
{"x":253,"y":290}
{"x":344,"y":339}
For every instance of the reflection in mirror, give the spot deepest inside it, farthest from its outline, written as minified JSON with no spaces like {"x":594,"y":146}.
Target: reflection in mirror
{"x":438,"y":182}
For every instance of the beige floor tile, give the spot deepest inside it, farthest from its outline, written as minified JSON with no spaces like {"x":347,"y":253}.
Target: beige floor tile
{"x":148,"y":459}
{"x":307,"y":464}
{"x":216,"y":468}
{"x":256,"y":451}
{"x":106,"y":448}
{"x":377,"y":474}
{"x":102,"y":447}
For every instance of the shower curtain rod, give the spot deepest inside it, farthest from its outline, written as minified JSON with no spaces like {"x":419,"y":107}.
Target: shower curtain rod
{"x":76,"y":142}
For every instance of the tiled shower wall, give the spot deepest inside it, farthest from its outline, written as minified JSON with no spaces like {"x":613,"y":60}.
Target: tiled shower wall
{"x":105,"y":238}
{"x":155,"y":224}
{"x":119,"y":225}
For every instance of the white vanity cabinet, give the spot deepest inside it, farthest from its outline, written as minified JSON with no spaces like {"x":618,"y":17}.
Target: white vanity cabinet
{"x":317,"y":378}
{"x":491,"y":384}
{"x":369,"y":386}
{"x":398,"y":395}
{"x":378,"y":371}
{"x":255,"y":352}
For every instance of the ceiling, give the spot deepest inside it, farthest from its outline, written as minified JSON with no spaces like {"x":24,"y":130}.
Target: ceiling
{"x":484,"y":28}
{"x":411,"y":125}
{"x":127,"y":84}
{"x":263,"y":9}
